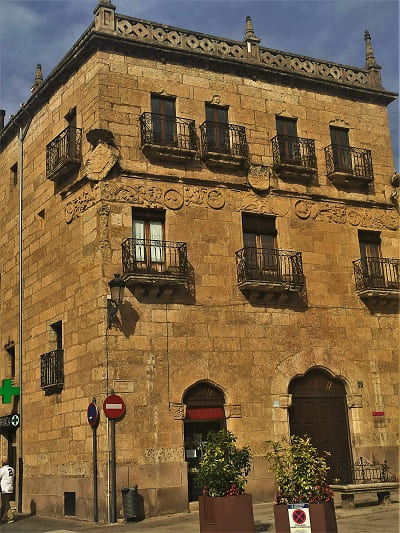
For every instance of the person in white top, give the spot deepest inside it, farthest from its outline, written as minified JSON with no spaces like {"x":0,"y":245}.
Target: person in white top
{"x":7,"y":475}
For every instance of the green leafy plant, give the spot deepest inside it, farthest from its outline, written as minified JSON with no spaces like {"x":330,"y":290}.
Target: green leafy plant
{"x":224,"y":467}
{"x":300,"y":472}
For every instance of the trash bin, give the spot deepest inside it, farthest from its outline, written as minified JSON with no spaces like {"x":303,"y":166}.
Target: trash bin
{"x":130,"y":502}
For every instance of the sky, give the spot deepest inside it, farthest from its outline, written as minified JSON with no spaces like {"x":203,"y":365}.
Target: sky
{"x":42,"y":31}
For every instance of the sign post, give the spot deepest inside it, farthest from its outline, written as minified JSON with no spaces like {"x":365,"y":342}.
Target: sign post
{"x":93,"y":418}
{"x":114,"y":408}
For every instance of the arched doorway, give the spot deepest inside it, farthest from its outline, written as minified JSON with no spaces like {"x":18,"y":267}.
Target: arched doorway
{"x":319,"y":410}
{"x":204,"y":413}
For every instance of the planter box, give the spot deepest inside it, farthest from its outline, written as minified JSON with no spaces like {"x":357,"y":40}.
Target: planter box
{"x":322,"y":518}
{"x":230,"y":514}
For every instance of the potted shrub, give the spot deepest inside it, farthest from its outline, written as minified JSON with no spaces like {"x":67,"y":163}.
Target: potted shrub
{"x":223,"y":506}
{"x":301,"y":483}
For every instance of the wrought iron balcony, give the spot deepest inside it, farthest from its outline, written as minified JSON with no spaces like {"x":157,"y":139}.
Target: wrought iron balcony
{"x":153,"y":263}
{"x":168,"y":135}
{"x":294,"y":157}
{"x":52,"y":371}
{"x":267,"y":269}
{"x":223,"y":144}
{"x":377,"y":276}
{"x":63,"y":153}
{"x":346,"y":164}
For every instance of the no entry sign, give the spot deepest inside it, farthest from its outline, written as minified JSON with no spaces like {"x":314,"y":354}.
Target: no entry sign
{"x":113,"y":406}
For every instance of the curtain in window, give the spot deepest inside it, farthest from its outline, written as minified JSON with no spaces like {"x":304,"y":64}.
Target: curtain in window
{"x":156,"y":244}
{"x":138,"y":233}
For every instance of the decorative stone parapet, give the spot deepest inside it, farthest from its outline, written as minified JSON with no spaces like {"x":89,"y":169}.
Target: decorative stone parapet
{"x":199,"y":43}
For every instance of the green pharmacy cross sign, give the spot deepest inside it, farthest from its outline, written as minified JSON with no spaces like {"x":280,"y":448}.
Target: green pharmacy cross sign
{"x":7,"y":391}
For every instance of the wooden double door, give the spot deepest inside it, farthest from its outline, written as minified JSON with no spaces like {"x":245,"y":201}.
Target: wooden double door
{"x":319,"y":410}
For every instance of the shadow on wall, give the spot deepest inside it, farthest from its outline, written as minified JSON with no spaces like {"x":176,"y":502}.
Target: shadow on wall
{"x":129,"y":319}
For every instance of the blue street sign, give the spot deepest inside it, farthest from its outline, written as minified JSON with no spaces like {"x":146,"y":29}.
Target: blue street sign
{"x":92,"y":414}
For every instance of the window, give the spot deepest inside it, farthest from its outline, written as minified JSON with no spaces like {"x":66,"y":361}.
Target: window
{"x":14,"y":174}
{"x":370,"y":252}
{"x":10,"y":360}
{"x":148,"y":237}
{"x":289,"y":147}
{"x":52,"y":363}
{"x":56,"y":336}
{"x":217,"y":128}
{"x":258,"y":231}
{"x":259,"y":240}
{"x":163,"y":116}
{"x":341,"y":149}
{"x":370,"y":243}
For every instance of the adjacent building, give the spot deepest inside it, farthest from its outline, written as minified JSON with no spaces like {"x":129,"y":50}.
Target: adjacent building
{"x":247,"y":198}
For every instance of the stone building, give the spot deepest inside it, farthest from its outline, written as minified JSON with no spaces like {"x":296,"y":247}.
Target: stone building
{"x":245,"y":196}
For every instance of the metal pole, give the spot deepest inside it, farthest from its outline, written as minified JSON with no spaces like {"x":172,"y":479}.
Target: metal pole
{"x":20,"y":303}
{"x":95,"y":496}
{"x":113,"y":476}
{"x":22,"y":135}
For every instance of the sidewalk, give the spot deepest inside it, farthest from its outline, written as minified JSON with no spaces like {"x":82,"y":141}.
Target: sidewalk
{"x":363,"y":519}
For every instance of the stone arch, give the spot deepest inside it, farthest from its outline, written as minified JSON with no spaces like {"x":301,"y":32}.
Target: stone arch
{"x":205,"y":382}
{"x":298,"y":364}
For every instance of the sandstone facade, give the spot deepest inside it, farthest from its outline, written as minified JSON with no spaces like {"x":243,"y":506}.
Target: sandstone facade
{"x":249,"y":344}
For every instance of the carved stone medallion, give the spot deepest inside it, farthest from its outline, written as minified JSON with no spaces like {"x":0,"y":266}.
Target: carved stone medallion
{"x":259,"y":177}
{"x":101,"y":161}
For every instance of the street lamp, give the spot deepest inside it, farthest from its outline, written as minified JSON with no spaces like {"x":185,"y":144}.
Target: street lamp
{"x":117,"y":285}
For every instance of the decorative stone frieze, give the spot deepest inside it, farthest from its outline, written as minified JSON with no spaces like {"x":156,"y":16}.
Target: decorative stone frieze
{"x":201,"y":196}
{"x":336,"y":213}
{"x":78,"y":205}
{"x":253,"y":203}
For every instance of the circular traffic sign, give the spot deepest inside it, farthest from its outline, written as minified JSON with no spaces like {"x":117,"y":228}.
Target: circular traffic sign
{"x":299,"y":516}
{"x":114,"y":406}
{"x":14,"y":420}
{"x":92,"y":414}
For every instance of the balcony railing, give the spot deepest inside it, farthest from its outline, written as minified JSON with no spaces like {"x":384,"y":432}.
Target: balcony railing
{"x":154,"y":260}
{"x":295,"y":151}
{"x":52,"y":371}
{"x":63,"y":152}
{"x":377,"y":274}
{"x":166,"y":130}
{"x":349,"y":161}
{"x":270,"y":266}
{"x":220,"y":138}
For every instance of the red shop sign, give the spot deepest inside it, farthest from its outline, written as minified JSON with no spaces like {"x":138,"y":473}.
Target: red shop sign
{"x":204,"y":413}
